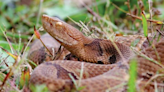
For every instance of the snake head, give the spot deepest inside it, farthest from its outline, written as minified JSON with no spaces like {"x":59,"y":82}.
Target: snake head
{"x":61,"y":31}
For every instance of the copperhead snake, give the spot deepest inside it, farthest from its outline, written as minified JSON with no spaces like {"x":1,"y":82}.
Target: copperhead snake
{"x":105,"y":76}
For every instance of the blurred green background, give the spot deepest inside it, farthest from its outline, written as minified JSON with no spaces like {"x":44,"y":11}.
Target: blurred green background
{"x":18,"y":17}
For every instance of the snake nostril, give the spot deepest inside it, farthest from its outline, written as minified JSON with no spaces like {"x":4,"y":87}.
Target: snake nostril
{"x":100,"y":62}
{"x":51,"y":24}
{"x":112,"y":59}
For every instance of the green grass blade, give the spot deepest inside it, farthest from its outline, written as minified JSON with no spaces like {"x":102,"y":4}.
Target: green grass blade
{"x":144,"y":22}
{"x":133,"y":75}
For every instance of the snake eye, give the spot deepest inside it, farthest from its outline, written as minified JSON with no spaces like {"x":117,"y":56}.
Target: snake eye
{"x":58,"y":23}
{"x":112,"y":59}
{"x":100,"y":62}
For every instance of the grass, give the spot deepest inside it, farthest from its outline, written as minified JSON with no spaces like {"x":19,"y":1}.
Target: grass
{"x":105,"y":19}
{"x":133,"y":76}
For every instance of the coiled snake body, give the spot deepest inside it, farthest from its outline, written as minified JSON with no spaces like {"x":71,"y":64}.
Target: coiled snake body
{"x":109,"y":75}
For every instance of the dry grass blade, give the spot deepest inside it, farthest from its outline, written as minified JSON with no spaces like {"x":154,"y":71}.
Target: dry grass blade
{"x":146,"y":57}
{"x":152,"y":78}
{"x":11,"y":47}
{"x":116,"y":87}
{"x":12,"y":55}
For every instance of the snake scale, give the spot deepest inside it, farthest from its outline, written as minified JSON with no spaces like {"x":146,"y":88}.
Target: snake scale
{"x":111,"y":72}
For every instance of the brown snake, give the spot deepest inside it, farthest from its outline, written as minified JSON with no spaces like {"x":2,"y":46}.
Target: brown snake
{"x":109,"y":76}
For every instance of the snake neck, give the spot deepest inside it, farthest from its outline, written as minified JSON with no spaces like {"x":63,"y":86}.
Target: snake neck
{"x":88,"y":49}
{"x":77,"y":49}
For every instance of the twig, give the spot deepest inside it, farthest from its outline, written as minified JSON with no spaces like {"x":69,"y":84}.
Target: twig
{"x":128,"y":4}
{"x":160,"y":32}
{"x":5,"y":61}
{"x":154,"y":21}
{"x":150,"y":11}
{"x":92,"y":13}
